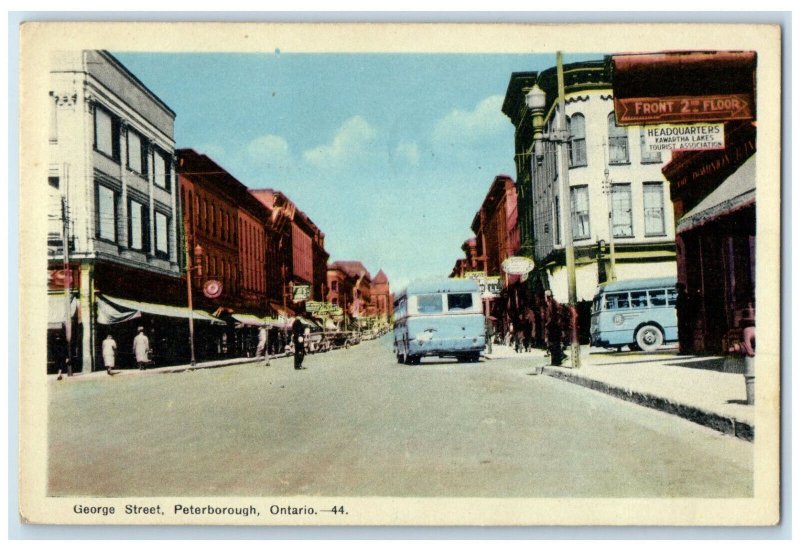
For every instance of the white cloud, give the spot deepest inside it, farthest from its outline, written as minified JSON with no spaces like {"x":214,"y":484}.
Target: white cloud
{"x":409,"y":152}
{"x":351,"y":141}
{"x":269,"y":150}
{"x":458,"y":126}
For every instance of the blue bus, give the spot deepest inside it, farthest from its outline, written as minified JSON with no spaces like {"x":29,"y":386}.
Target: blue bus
{"x":442,"y":318}
{"x":638,"y":313}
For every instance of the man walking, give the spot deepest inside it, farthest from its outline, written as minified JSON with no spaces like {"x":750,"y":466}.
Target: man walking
{"x":263,"y":344}
{"x":109,"y":352}
{"x":298,"y":340}
{"x":141,"y":348}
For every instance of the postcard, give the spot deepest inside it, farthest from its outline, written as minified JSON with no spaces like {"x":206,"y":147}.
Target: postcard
{"x":294,"y":274}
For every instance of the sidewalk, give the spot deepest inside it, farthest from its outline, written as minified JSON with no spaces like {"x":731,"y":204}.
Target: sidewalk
{"x":697,"y":388}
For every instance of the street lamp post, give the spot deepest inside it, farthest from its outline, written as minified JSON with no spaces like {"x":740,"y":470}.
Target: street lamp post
{"x":609,"y":191}
{"x":536,"y":101}
{"x":198,"y":254}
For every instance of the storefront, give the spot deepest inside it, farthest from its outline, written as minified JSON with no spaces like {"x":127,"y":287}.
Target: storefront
{"x":713,"y":189}
{"x":167,"y":328}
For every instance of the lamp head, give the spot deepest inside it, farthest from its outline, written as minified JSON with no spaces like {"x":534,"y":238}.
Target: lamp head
{"x":535,"y":98}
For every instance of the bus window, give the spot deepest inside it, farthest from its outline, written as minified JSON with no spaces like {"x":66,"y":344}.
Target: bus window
{"x":616,"y":301}
{"x":459,"y":301}
{"x":672,"y":296}
{"x":638,"y":299}
{"x":658,"y":298}
{"x":429,"y":304}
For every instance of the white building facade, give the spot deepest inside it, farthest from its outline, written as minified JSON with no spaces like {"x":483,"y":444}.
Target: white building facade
{"x":619,"y":210}
{"x":112,"y":176}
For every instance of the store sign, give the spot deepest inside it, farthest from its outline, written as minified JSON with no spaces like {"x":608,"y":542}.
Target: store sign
{"x":684,"y":137}
{"x":490,"y":286}
{"x":517,"y":265}
{"x":212,"y":288}
{"x":301,"y":293}
{"x":656,"y":110}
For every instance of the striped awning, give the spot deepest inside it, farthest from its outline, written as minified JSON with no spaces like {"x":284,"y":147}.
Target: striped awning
{"x":737,"y":191}
{"x":117,"y":310}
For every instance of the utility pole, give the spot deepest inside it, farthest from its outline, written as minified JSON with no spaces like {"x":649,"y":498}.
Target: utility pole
{"x":67,"y":283}
{"x":569,"y":249}
{"x":608,"y":190}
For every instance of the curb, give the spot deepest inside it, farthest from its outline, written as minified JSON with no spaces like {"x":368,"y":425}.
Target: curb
{"x":725,"y":425}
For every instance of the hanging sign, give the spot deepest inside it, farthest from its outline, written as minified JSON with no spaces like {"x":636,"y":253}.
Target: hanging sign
{"x":684,"y":137}
{"x":517,"y":265}
{"x":301,"y":293}
{"x":654,"y":110}
{"x":212,"y":288}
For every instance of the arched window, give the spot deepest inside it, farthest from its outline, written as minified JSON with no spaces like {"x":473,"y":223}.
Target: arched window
{"x":617,"y":142}
{"x":577,"y":140}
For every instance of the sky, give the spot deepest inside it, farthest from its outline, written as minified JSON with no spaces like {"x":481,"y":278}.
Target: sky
{"x":391,"y":155}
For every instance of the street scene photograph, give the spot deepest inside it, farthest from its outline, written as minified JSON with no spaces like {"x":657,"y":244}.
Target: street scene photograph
{"x":284,"y":280}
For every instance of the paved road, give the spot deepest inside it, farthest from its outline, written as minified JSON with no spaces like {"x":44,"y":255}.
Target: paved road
{"x":357,"y":423}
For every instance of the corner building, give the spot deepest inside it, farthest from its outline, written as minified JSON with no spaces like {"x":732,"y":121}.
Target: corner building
{"x":618,"y":195}
{"x":113,"y":213}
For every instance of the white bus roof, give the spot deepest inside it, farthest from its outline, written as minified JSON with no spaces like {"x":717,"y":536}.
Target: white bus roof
{"x":637,"y":284}
{"x":447,"y":285}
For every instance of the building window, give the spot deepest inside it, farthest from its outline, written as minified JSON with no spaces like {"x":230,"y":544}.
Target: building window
{"x":137,"y":152}
{"x":162,"y":235}
{"x":647,"y":155}
{"x":617,"y":141}
{"x":579,"y":207}
{"x":53,"y":181}
{"x":106,"y":213}
{"x":137,"y":227}
{"x":654,"y":208}
{"x":334,"y":285}
{"x":577,"y":140}
{"x":163,"y":169}
{"x":621,"y":215}
{"x":106,"y":133}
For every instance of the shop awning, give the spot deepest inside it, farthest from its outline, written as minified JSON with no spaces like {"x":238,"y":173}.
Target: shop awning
{"x":309,"y":323}
{"x":737,"y":191}
{"x":56,"y":310}
{"x":117,"y":310}
{"x":249,"y":319}
{"x":282,"y":310}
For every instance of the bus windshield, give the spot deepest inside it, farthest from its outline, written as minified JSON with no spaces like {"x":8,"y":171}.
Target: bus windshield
{"x":459,"y":301}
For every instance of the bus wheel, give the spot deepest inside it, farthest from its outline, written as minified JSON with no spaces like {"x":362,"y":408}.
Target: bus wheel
{"x":649,"y":338}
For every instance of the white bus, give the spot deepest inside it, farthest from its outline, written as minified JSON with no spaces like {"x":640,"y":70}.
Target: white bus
{"x":442,"y":318}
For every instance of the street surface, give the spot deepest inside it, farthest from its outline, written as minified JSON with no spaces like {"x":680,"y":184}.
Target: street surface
{"x":356,"y":423}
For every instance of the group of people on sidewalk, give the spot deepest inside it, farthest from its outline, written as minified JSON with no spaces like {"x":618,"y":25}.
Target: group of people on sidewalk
{"x":548,"y":324}
{"x":299,"y":333}
{"x":141,"y":350}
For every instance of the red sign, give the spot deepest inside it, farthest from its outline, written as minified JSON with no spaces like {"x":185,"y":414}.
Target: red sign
{"x":721,"y":107}
{"x":212,"y":288}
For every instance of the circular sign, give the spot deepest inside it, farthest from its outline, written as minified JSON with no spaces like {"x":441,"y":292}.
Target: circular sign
{"x":517,"y":265}
{"x":212,"y":288}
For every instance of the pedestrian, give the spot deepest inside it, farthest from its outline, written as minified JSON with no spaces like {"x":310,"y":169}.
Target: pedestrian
{"x":109,"y":352}
{"x":684,"y":311}
{"x":554,"y":330}
{"x":261,"y":348}
{"x":141,"y":348}
{"x":298,"y":342}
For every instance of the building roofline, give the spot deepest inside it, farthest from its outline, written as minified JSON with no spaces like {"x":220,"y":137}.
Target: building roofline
{"x":120,"y":67}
